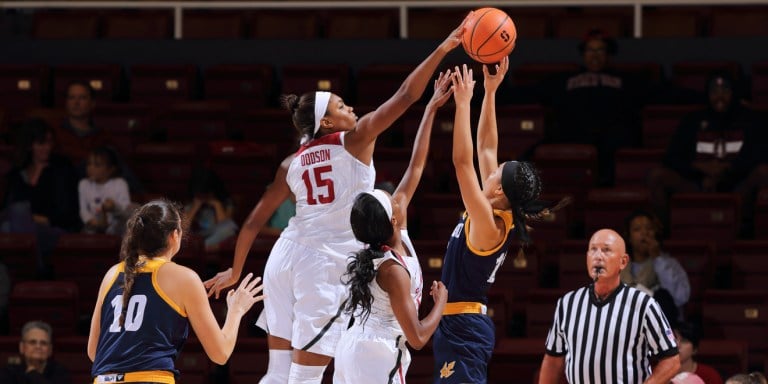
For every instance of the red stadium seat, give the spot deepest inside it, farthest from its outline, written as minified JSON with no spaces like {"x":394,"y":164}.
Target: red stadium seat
{"x":198,"y":122}
{"x":540,"y":311}
{"x":744,"y":21}
{"x":633,"y":164}
{"x":749,"y":262}
{"x":644,"y":73}
{"x":60,"y":24}
{"x":567,"y":169}
{"x":166,"y":168}
{"x":614,"y":22}
{"x":9,"y":350}
{"x":157,"y":83}
{"x":698,"y":259}
{"x":533,"y":22}
{"x":705,"y":216}
{"x":77,"y":362}
{"x":728,"y":357}
{"x":377,"y":83}
{"x":103,"y":78}
{"x":127,"y":124}
{"x":761,"y":215}
{"x":670,"y":21}
{"x":22,"y":86}
{"x":694,"y":74}
{"x":193,"y":363}
{"x":436,"y":215}
{"x":609,"y":207}
{"x":207,"y":24}
{"x":434,"y":23}
{"x":249,"y":360}
{"x":301,"y":78}
{"x":572,"y":271}
{"x":84,"y":259}
{"x":19,"y":253}
{"x":281,"y":24}
{"x":760,"y":82}
{"x":55,"y":302}
{"x":135,"y":24}
{"x":738,"y":315}
{"x":243,"y":85}
{"x":269,"y":125}
{"x":363,"y":24}
{"x":660,"y":123}
{"x":520,"y":127}
{"x":516,"y":358}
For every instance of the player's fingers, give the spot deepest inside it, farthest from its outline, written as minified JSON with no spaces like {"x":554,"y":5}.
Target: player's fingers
{"x":245,"y":281}
{"x":253,"y":283}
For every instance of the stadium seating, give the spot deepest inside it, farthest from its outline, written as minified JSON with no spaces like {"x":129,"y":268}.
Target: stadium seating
{"x":64,"y":24}
{"x":54,"y":301}
{"x":609,"y":207}
{"x":670,"y":21}
{"x":738,"y":315}
{"x":162,"y":83}
{"x":284,"y":24}
{"x":633,"y":165}
{"x":19,"y":253}
{"x":213,"y":25}
{"x":362,"y":24}
{"x":749,"y":263}
{"x":739,"y":21}
{"x":301,"y":78}
{"x":242,"y":85}
{"x":105,"y":79}
{"x":660,"y":123}
{"x":23,"y":86}
{"x":138,"y":24}
{"x":712,"y":216}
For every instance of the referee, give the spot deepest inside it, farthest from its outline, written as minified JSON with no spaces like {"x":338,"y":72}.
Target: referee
{"x":608,"y":332}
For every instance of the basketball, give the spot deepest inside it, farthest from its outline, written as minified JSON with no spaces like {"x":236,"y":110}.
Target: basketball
{"x":489,"y":35}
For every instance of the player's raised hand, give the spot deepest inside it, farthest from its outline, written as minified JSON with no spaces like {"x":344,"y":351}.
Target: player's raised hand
{"x":246,"y":294}
{"x":219,"y":282}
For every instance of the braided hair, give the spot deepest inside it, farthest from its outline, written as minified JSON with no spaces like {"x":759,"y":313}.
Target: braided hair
{"x":522,"y":186}
{"x":147,"y":232}
{"x":373,"y":227}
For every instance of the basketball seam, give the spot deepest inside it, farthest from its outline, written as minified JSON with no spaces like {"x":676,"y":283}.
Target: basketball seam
{"x":490,"y":36}
{"x":474,"y":28}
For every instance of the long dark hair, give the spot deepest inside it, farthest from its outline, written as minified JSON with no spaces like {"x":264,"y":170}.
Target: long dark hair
{"x":146,"y":233}
{"x":658,"y":228}
{"x":373,"y":227}
{"x":521,"y":184}
{"x":302,"y":112}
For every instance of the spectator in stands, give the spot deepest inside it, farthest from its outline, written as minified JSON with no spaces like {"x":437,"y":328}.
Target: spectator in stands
{"x":210,"y":209}
{"x":652,"y":269}
{"x":722,"y":148}
{"x":595,"y":106}
{"x":747,"y":378}
{"x":105,"y":202}
{"x":36,"y":365}
{"x":77,"y":135}
{"x":687,"y":335}
{"x":41,"y":196}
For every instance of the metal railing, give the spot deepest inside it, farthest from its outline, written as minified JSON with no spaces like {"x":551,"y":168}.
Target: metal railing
{"x":178,"y":7}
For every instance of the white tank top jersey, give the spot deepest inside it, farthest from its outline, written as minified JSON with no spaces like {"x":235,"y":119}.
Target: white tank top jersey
{"x":325,"y":179}
{"x":381,"y":308}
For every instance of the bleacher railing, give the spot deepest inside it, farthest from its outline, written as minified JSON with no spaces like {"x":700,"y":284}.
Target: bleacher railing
{"x":403,"y":7}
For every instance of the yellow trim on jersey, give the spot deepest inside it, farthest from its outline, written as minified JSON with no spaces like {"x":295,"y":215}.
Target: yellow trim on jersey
{"x":152,"y":266}
{"x":460,"y":307}
{"x":111,"y":283}
{"x":164,"y":377}
{"x":508,"y":225}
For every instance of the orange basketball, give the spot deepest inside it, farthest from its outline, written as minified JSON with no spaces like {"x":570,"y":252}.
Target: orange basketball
{"x":489,"y":35}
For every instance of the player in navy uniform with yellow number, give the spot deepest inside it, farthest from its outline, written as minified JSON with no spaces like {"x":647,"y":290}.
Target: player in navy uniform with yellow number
{"x":464,"y":340}
{"x":147,"y":302}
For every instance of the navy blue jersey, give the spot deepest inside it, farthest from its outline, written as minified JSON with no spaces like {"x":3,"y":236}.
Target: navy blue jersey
{"x":467,"y":272}
{"x":155,"y":327}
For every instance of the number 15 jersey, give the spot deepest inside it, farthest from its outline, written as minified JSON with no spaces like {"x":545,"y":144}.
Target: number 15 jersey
{"x":325,"y":179}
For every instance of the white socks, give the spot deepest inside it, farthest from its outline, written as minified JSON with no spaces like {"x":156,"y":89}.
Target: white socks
{"x":278,"y":368}
{"x":306,"y":374}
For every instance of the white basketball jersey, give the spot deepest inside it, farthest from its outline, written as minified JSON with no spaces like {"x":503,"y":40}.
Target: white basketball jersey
{"x":381,"y":308}
{"x":325,"y":179}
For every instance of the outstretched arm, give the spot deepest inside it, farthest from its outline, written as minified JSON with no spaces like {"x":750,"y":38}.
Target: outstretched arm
{"x":483,"y":234}
{"x":394,"y":280}
{"x":361,"y":141}
{"x":277,"y":192}
{"x":412,"y":176}
{"x":487,"y":131}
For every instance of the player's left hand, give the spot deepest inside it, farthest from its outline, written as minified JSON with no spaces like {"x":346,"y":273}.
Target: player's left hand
{"x":219,"y":282}
{"x":492,"y":81}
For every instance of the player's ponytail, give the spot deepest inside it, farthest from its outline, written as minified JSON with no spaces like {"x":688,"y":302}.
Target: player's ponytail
{"x":521,"y":185}
{"x":372,"y":225}
{"x":146,"y":234}
{"x":302,"y":111}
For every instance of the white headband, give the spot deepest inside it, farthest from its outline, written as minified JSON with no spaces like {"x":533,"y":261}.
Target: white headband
{"x":384,"y":200}
{"x":321,"y":105}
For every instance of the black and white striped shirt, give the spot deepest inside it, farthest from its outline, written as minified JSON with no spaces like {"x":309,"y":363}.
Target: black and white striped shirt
{"x":609,"y":341}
